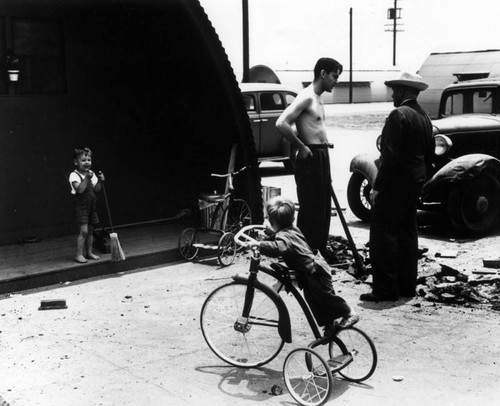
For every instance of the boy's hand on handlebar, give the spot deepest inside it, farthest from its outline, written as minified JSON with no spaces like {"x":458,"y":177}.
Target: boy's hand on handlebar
{"x":252,"y":244}
{"x":101,"y":177}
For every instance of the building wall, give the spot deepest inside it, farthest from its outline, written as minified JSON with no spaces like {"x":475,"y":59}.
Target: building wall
{"x":368,"y":85}
{"x":146,"y":87}
{"x":439,"y":68}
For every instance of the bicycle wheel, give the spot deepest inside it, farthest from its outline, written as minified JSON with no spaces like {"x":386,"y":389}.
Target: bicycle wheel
{"x":237,"y":215}
{"x":226,"y":251}
{"x":189,"y":236}
{"x":239,"y":342}
{"x":307,"y":377}
{"x":355,"y":342}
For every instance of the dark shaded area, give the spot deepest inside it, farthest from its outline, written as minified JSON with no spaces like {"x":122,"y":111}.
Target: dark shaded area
{"x":148,"y":88}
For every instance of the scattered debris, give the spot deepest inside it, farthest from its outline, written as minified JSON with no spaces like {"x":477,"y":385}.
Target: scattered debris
{"x":30,"y":239}
{"x":491,"y":263}
{"x":448,"y":285}
{"x":53,"y":304}
{"x":398,"y":378}
{"x":485,"y":272}
{"x":338,"y":252}
{"x":276,"y":390}
{"x":127,"y":298}
{"x":447,"y":254}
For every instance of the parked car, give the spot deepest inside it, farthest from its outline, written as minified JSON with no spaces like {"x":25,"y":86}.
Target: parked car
{"x":264,"y":103}
{"x":464,"y":183}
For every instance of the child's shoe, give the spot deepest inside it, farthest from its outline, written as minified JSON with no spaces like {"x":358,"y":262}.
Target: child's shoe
{"x":348,"y":321}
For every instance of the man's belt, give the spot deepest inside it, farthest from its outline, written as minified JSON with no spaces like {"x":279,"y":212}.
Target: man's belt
{"x":319,"y":146}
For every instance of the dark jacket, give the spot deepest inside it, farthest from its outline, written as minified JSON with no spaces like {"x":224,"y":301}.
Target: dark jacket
{"x":291,"y":244}
{"x":406,"y":148}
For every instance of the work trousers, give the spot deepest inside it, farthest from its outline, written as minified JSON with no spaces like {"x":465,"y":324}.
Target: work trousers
{"x":313,"y":180}
{"x":394,"y":240}
{"x":320,"y":295}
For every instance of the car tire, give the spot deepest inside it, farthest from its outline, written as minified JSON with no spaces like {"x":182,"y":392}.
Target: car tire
{"x":473,"y":204}
{"x":358,"y":196}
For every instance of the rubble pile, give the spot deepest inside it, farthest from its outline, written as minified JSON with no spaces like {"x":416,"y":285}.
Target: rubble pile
{"x":445,"y":284}
{"x":339,"y":254}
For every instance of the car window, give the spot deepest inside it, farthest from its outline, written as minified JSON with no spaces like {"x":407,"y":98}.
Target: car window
{"x":482,"y":101}
{"x":454,"y":104}
{"x":290,"y":97}
{"x":249,"y":101}
{"x":271,"y":101}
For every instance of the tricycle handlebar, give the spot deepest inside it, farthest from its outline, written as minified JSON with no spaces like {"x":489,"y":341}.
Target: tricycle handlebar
{"x":241,"y":237}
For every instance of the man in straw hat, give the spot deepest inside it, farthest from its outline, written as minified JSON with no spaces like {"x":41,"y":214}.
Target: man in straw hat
{"x":406,"y":149}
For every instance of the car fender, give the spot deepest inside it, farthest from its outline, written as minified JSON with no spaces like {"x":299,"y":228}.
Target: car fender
{"x":284,"y":325}
{"x":462,"y":168}
{"x":366,"y":164}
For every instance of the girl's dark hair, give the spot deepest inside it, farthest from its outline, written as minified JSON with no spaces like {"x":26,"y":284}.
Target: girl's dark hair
{"x":281,"y":211}
{"x":81,"y":151}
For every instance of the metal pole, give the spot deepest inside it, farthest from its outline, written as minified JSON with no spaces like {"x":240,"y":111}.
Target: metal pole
{"x":246,"y":53}
{"x":360,"y":267}
{"x":350,"y":55}
{"x":394,"y":33}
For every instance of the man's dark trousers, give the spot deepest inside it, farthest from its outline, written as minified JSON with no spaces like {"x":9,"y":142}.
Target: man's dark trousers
{"x":394,"y":240}
{"x":313,"y":180}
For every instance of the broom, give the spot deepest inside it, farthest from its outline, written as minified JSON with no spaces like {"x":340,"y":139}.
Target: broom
{"x":117,"y":253}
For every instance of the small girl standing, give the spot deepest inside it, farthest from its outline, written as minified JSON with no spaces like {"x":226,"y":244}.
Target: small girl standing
{"x":84,"y":183}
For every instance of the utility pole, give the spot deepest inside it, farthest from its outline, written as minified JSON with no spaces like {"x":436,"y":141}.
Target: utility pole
{"x":394,"y":14}
{"x":350,"y":55}
{"x":394,"y":31}
{"x":246,"y":52}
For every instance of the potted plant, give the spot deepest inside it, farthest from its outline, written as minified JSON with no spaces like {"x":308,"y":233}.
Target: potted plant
{"x":12,"y":65}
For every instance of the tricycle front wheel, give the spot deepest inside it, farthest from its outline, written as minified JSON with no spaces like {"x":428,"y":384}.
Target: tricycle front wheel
{"x":189,"y":236}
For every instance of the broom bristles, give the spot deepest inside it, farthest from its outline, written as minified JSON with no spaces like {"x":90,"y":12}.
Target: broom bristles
{"x":117,"y":253}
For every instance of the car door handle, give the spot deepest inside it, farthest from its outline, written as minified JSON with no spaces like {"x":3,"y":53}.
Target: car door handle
{"x":264,"y":120}
{"x":256,"y":121}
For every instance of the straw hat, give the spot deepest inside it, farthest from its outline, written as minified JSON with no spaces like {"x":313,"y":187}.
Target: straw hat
{"x":409,"y":80}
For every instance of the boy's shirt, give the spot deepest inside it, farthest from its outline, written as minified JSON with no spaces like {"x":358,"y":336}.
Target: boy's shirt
{"x":291,"y":244}
{"x":76,"y":176}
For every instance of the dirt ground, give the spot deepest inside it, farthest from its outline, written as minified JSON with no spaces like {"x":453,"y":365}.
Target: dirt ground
{"x":134,"y":338}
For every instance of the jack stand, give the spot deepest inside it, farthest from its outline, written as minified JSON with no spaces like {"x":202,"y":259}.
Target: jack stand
{"x":360,"y":267}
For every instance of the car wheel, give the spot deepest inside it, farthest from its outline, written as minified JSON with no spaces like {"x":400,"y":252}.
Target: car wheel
{"x":473,"y":205}
{"x":358,"y":196}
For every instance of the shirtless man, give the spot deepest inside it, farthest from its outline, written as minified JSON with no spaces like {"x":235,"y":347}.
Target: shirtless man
{"x":312,"y":165}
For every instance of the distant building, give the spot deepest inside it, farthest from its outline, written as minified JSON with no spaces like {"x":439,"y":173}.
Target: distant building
{"x":367,"y":85}
{"x":443,"y":68}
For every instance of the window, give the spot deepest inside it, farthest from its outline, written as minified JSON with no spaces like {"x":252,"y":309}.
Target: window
{"x":249,"y":102}
{"x":454,"y":104}
{"x":39,"y":44}
{"x":289,"y":98}
{"x":271,"y":101}
{"x":482,"y":101}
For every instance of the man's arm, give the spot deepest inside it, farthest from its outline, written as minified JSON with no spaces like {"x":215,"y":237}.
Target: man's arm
{"x":288,"y":118}
{"x":389,"y":151}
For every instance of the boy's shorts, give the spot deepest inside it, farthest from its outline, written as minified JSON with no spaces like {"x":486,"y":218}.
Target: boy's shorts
{"x":85,"y":216}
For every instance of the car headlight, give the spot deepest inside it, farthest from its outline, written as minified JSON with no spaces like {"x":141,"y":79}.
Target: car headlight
{"x":379,"y":140}
{"x":442,"y":143}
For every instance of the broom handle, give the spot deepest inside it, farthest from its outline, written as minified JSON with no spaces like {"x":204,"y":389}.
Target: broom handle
{"x":107,"y":206}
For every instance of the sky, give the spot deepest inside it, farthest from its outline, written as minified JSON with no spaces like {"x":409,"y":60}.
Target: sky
{"x":293,"y":34}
